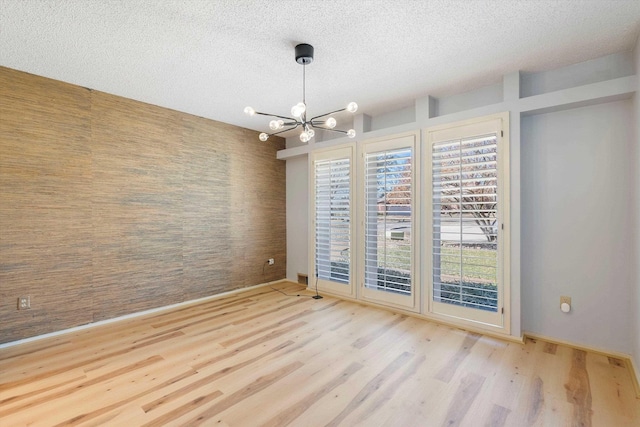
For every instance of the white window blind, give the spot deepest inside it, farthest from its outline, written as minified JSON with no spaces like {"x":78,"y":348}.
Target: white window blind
{"x":465,"y":228}
{"x":388,"y":209}
{"x":332,"y":219}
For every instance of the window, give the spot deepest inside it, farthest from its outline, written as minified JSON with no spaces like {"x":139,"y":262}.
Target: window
{"x":332,"y":225}
{"x":468,"y":186}
{"x":367,"y":215}
{"x":389,"y":238}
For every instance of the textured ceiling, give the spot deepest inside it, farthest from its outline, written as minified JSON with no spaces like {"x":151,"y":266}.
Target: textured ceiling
{"x":212,"y":58}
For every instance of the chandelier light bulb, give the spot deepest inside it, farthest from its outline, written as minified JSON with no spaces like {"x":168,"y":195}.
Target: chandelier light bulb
{"x":304,"y":137}
{"x":298,"y":109}
{"x":249,"y":111}
{"x":352,"y":107}
{"x":351,"y":133}
{"x":263,"y":137}
{"x":330,"y":123}
{"x":311,"y":133}
{"x":273,"y":125}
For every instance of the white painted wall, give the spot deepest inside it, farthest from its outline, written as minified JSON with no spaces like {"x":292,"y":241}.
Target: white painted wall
{"x":486,"y":95}
{"x":577,"y":207}
{"x":297,"y":212}
{"x":608,"y":67}
{"x":394,"y":118}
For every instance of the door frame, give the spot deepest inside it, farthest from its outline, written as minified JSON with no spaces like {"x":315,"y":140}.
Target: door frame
{"x":499,"y":322}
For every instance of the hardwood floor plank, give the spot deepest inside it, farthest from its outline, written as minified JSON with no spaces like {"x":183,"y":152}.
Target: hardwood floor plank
{"x":192,"y":405}
{"x":616,"y":362}
{"x":65,"y":392}
{"x":463,"y":398}
{"x":371,"y":387}
{"x":209,"y":379}
{"x":339,"y":324}
{"x":46,"y":374}
{"x":200,"y":318}
{"x":239,"y":338}
{"x":262,"y":358}
{"x":550,"y":348}
{"x":287,"y":416}
{"x":267,"y":312}
{"x":536,"y":401}
{"x":579,"y":390}
{"x":84,"y":417}
{"x":37,"y":391}
{"x":329,"y":305}
{"x":387,"y":393}
{"x":538,"y":372}
{"x":498,"y":416}
{"x":607,"y":382}
{"x":156,"y":338}
{"x":367,"y":339}
{"x":248,"y":391}
{"x":271,"y":335}
{"x":446,"y":373}
{"x":21,"y":353}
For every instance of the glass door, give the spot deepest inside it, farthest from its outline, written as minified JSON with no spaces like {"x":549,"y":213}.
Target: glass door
{"x":466,"y":182}
{"x":389,"y":222}
{"x":332,"y":228}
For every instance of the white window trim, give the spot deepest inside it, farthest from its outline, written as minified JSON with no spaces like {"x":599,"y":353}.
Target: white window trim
{"x":412,"y":302}
{"x":498,"y":123}
{"x":342,"y":151}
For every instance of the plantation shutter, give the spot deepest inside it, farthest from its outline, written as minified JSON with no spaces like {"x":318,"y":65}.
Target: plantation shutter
{"x":465,"y":228}
{"x":333,"y":219}
{"x":388,"y":220}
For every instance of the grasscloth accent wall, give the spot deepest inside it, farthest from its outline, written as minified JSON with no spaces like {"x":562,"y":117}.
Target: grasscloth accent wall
{"x":110,"y":206}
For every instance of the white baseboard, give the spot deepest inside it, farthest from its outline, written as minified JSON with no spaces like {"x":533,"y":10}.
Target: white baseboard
{"x":628,"y":359}
{"x":137,"y":314}
{"x":572,"y":344}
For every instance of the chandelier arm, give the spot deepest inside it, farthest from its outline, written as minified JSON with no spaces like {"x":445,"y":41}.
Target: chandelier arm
{"x":284,"y":130}
{"x":275,"y":115}
{"x":329,"y":129}
{"x":339,"y":131}
{"x":319,"y":124}
{"x":326,"y":114}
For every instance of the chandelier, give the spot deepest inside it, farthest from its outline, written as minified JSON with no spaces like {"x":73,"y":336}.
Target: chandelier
{"x":280,"y":124}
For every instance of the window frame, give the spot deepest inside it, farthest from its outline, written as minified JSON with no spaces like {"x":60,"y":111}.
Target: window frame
{"x":501,"y":320}
{"x":422,"y":275}
{"x":407,"y":302}
{"x":334,"y":153}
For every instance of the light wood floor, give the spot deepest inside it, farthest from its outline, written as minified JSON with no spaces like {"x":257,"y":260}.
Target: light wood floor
{"x":262,"y":358}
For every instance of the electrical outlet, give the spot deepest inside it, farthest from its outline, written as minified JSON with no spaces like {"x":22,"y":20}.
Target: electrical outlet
{"x":24,"y":303}
{"x":271,"y":261}
{"x":565,"y":299}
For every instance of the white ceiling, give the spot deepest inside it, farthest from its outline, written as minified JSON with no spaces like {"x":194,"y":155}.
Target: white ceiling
{"x":212,"y":58}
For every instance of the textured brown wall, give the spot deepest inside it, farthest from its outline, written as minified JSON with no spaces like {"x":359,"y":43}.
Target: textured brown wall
{"x":109,"y":206}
